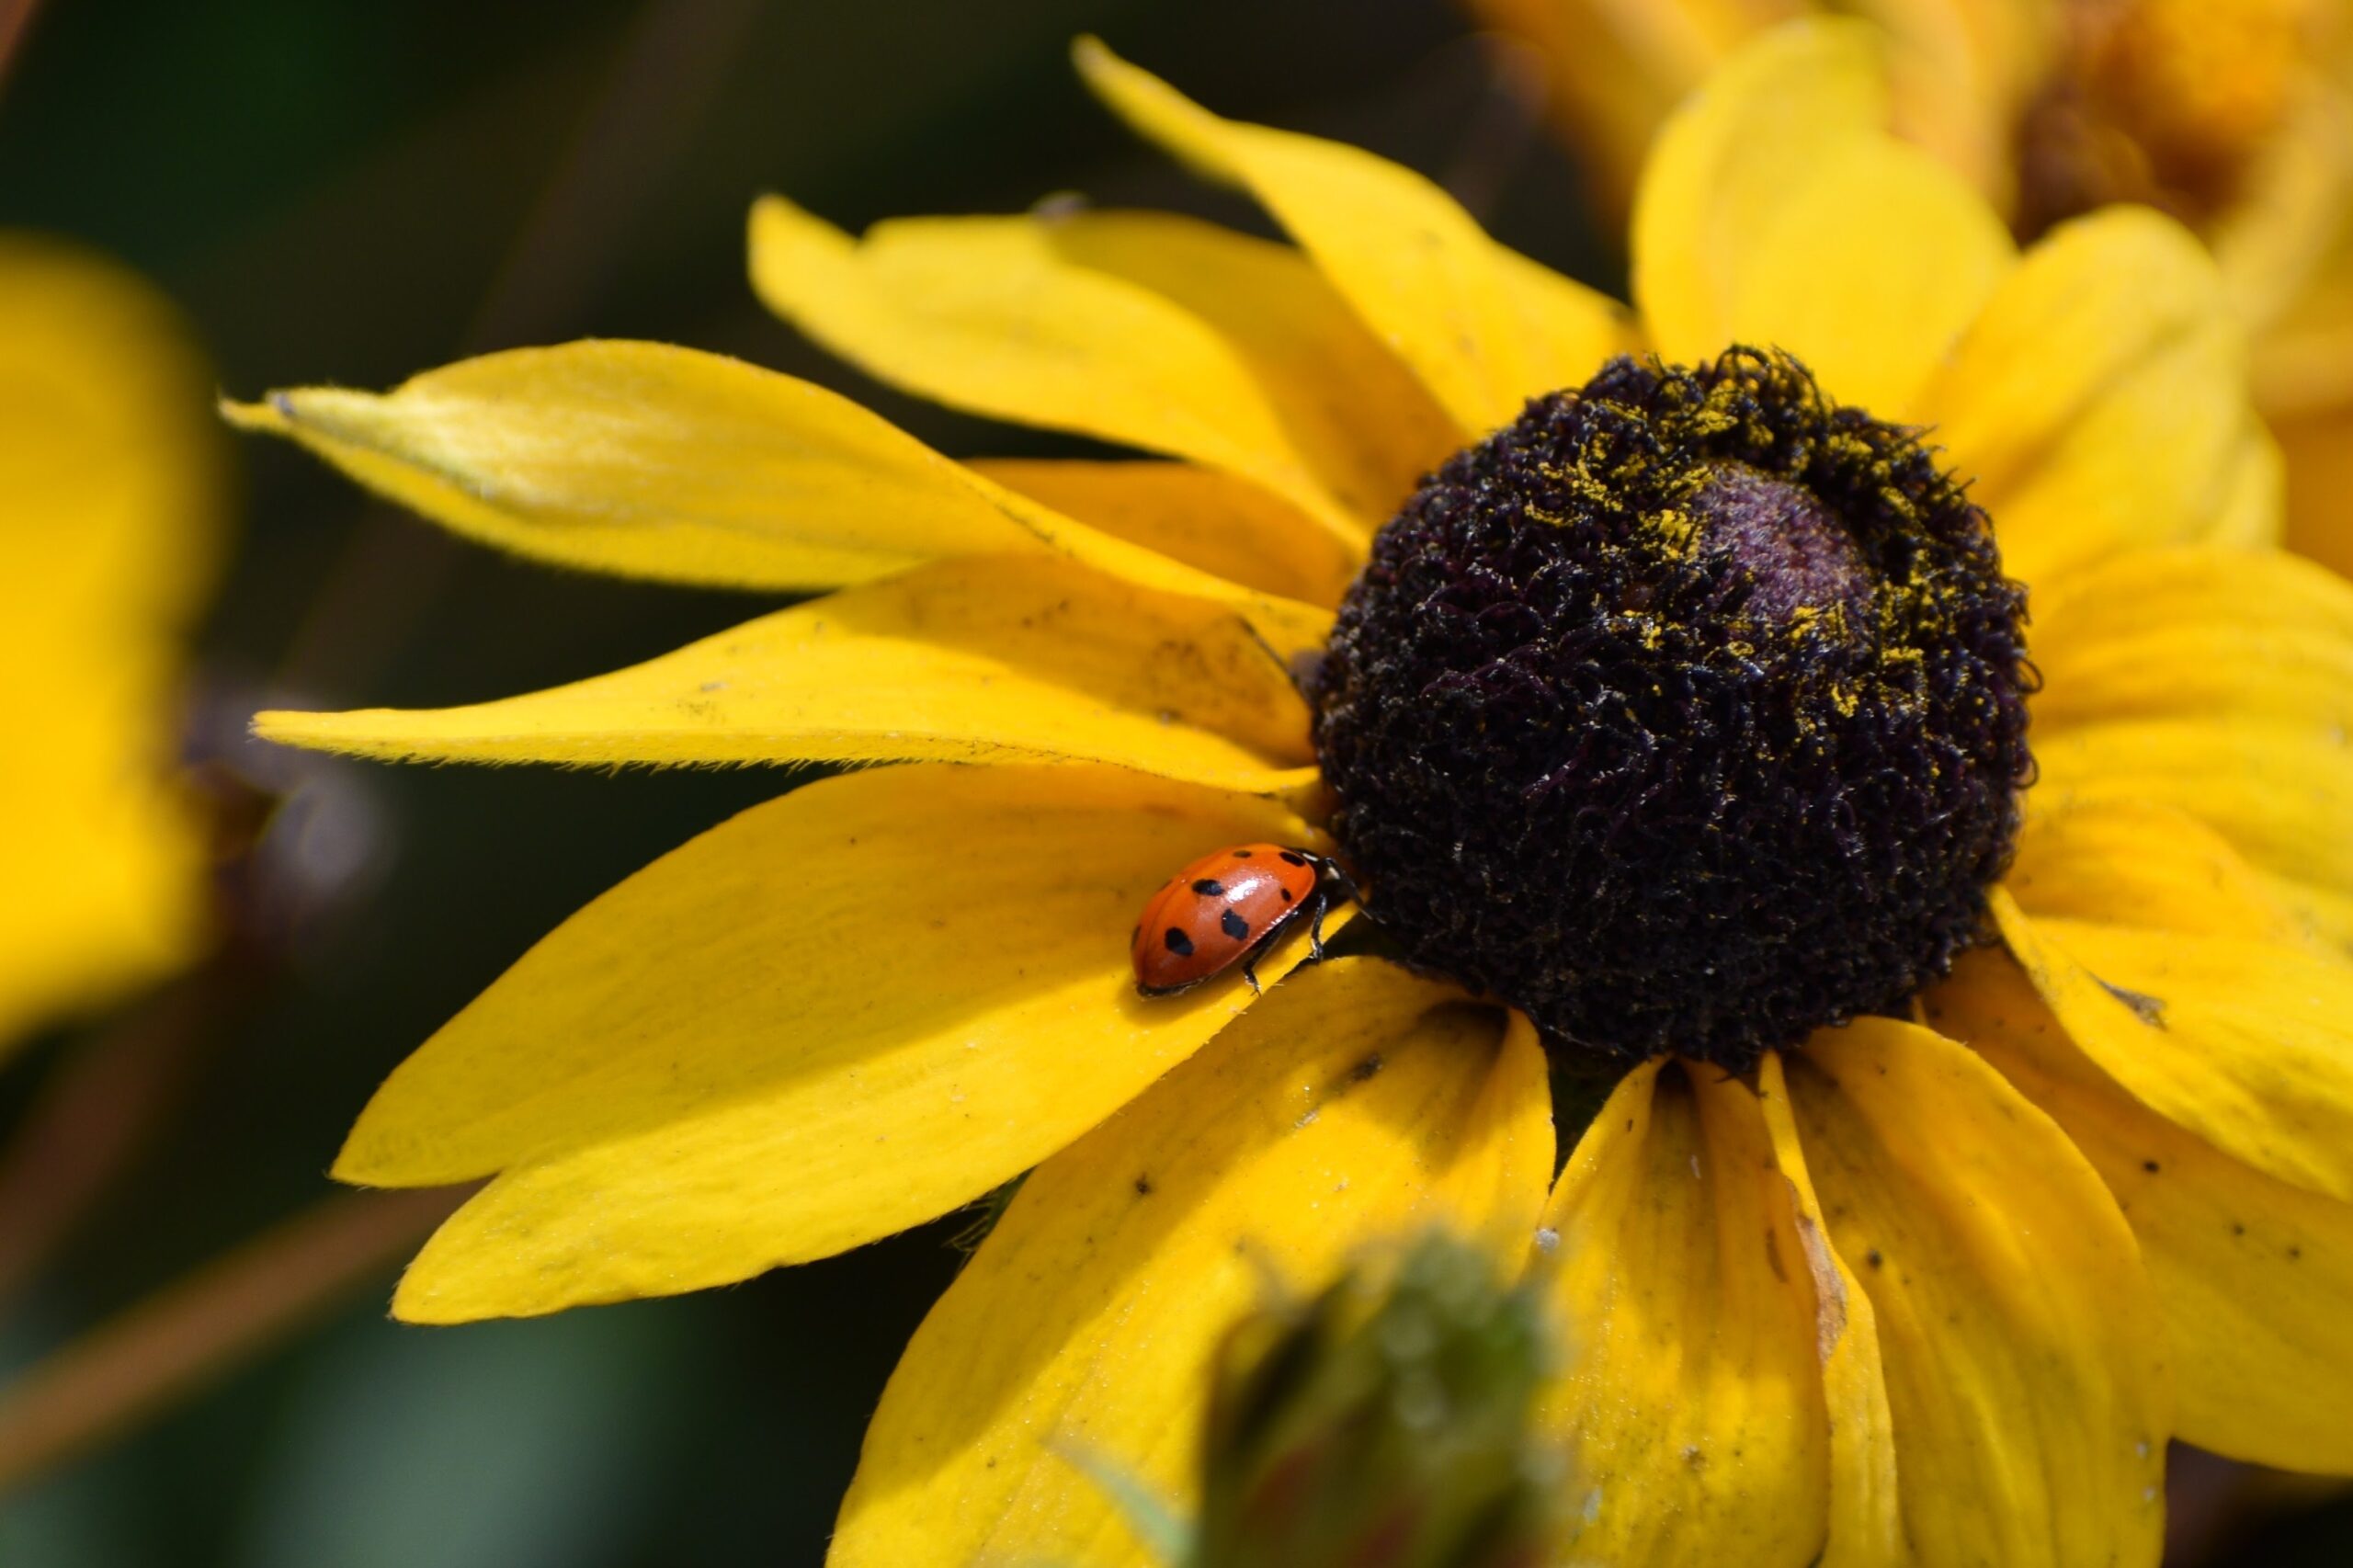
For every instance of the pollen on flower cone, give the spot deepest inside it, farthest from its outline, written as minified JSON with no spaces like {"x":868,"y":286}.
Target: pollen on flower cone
{"x":1815,"y":801}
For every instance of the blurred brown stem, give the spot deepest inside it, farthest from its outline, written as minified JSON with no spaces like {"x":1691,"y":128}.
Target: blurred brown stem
{"x":92,"y":1117}
{"x":15,"y":22}
{"x":203,"y":1326}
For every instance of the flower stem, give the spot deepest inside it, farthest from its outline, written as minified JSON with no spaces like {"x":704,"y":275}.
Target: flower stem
{"x":202,"y":1326}
{"x":15,"y":22}
{"x":93,"y":1118}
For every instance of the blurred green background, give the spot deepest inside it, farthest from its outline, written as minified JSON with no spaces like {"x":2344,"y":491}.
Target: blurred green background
{"x":354,"y":191}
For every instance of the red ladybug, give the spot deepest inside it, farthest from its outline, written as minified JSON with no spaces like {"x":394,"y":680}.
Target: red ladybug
{"x":1228,"y":907}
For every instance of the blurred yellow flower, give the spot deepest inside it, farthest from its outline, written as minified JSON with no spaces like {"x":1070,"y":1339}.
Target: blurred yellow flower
{"x":2235,"y":116}
{"x":111,"y":475}
{"x":1824,"y":1299}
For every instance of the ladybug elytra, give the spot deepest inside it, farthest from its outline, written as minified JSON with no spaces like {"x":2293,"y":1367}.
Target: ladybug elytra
{"x":1228,"y":907}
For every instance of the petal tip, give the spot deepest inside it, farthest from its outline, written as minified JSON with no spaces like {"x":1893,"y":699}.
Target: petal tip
{"x":362,"y":1160}
{"x":796,"y":257}
{"x":1795,"y":60}
{"x":414,"y":1303}
{"x":288,"y":727}
{"x":1148,"y":106}
{"x":2146,"y":235}
{"x":1094,"y":60}
{"x":770,"y":207}
{"x":454,"y":1280}
{"x":274,"y":412}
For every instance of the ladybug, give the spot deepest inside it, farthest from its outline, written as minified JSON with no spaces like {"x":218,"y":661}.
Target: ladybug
{"x":1228,"y":907}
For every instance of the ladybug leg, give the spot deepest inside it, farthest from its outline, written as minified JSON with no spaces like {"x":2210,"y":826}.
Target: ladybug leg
{"x":1315,"y":930}
{"x":1250,"y":973}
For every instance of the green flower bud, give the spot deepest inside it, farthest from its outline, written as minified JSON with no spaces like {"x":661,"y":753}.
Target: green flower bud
{"x":1382,"y":1425}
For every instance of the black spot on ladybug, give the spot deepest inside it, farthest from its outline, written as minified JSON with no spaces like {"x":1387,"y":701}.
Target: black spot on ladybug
{"x":1233,"y":926}
{"x":1210,"y":887}
{"x":1178,"y":943}
{"x":1292,"y":857}
{"x":1287,"y":894}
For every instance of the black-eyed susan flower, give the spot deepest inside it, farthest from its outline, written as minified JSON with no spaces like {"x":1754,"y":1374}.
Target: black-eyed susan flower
{"x":110,"y":474}
{"x":2237,"y":115}
{"x":1981,"y":1119}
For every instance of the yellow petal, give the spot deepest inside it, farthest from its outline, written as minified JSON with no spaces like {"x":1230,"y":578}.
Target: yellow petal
{"x":2196,"y":634}
{"x":2252,"y":514}
{"x":2281,"y":244}
{"x":1366,"y":423}
{"x":1224,"y":525}
{"x":111,"y":481}
{"x":992,"y":659}
{"x":1871,"y":266}
{"x":2133,"y":863}
{"x":1723,"y":167}
{"x":2327,"y":914}
{"x":1961,"y":76}
{"x":2171,"y":453}
{"x":1484,"y":328}
{"x":1148,"y":329}
{"x":1566,"y":330}
{"x":663,"y":462}
{"x":1865,"y":1526}
{"x":2024,"y":1359}
{"x":2087,"y":304}
{"x":1355,"y":1105}
{"x":2250,"y":1274}
{"x":833,"y":1017}
{"x":2100,"y":401}
{"x":2248,"y":1044}
{"x":99,"y":368}
{"x":106,"y":889}
{"x":2281,"y":795}
{"x":1692,"y":1395}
